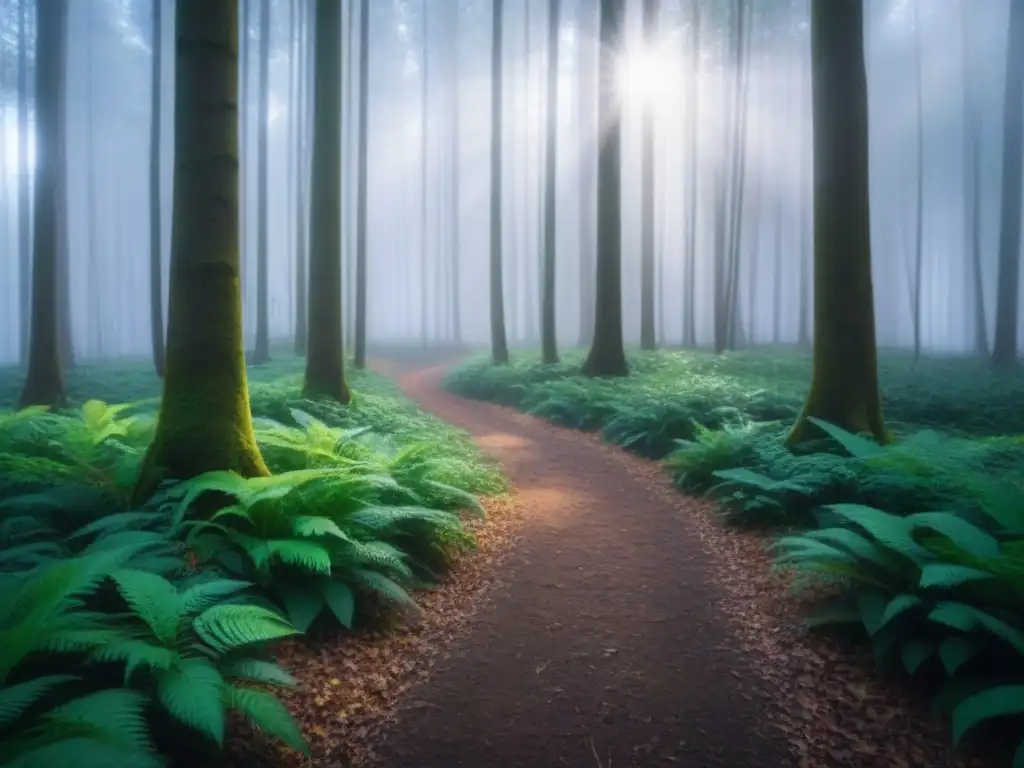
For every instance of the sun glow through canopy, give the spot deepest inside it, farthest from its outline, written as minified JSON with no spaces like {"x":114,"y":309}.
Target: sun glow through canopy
{"x":648,"y":76}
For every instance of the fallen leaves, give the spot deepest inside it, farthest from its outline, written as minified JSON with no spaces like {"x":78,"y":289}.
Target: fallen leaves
{"x":349,"y":686}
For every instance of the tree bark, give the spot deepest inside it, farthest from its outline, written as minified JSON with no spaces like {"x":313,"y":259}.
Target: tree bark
{"x":499,"y":343}
{"x":586,"y":138}
{"x":844,"y":382}
{"x":693,"y":128}
{"x":205,"y":423}
{"x":325,"y":364}
{"x":261,"y":351}
{"x":361,"y":213}
{"x":549,"y":340}
{"x":302,"y":170}
{"x":156,"y":301}
{"x":456,"y":167}
{"x":44,"y":384}
{"x":607,"y":356}
{"x":1004,"y":345}
{"x":648,"y":338}
{"x":24,"y":188}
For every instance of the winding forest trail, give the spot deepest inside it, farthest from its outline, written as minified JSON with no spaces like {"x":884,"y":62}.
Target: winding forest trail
{"x":602,"y":646}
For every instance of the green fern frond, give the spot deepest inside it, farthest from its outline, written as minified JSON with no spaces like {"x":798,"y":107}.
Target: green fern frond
{"x":15,"y":699}
{"x":267,"y":713}
{"x":190,"y":691}
{"x":228,"y":627}
{"x":257,"y":671}
{"x":154,"y":600}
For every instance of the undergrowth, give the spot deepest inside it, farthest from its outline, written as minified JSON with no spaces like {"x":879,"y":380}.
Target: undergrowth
{"x":919,"y":543}
{"x":127,"y":634}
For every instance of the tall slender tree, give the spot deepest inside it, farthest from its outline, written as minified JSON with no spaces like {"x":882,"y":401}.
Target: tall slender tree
{"x":607,"y":356}
{"x":361,"y":213}
{"x":972,"y":191}
{"x":24,"y":186}
{"x":205,"y":423}
{"x":549,"y":341}
{"x":156,"y":288}
{"x":844,"y":382}
{"x":1004,"y":344}
{"x":302,"y":184}
{"x":916,"y":284}
{"x":586,"y":85}
{"x":455,"y":170}
{"x":424,"y":130}
{"x":499,"y":343}
{"x":44,"y":384}
{"x":693,"y":138}
{"x":325,"y":360}
{"x":648,"y":338}
{"x":261,"y":352}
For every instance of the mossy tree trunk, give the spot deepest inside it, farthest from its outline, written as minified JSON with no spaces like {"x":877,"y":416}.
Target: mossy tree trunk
{"x":1004,"y":343}
{"x":325,"y":364}
{"x":607,"y":356}
{"x":499,"y":343}
{"x":648,"y":339}
{"x":261,"y":351}
{"x":361,"y":160}
{"x":844,"y":383}
{"x":549,"y":340}
{"x":156,"y":302}
{"x":205,"y":423}
{"x":44,"y":384}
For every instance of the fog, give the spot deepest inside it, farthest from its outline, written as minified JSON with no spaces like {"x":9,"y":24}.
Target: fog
{"x":428,"y":236}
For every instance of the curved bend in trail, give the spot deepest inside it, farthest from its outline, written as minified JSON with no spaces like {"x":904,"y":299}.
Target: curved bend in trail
{"x":602,"y":646}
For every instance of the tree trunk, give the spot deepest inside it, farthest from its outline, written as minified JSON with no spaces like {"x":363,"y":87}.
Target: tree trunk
{"x":693,"y":127}
{"x":919,"y":220}
{"x":456,"y":166}
{"x":607,"y":356}
{"x":156,"y":305}
{"x":302,"y":167}
{"x":844,"y":384}
{"x":361,"y":214}
{"x":499,"y":344}
{"x":549,"y":341}
{"x":44,"y":384}
{"x":1004,"y":346}
{"x":424,"y":287}
{"x":647,"y":332}
{"x":205,"y":423}
{"x":586,"y":138}
{"x":24,"y":188}
{"x":325,"y":364}
{"x":243,"y":218}
{"x":261,"y":352}
{"x":972,"y":191}
{"x":803,"y":328}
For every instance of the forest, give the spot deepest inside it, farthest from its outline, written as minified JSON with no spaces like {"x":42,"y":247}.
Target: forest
{"x":526,"y":383}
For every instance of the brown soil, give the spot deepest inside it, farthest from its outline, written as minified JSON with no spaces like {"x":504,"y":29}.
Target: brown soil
{"x":604,"y":646}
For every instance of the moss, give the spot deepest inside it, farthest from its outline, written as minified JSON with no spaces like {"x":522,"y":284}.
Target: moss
{"x":205,"y":422}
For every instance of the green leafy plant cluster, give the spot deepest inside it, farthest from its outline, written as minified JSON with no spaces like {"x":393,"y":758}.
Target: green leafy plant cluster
{"x":127,"y":633}
{"x":670,"y":393}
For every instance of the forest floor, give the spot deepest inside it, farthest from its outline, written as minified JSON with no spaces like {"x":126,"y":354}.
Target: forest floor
{"x":623,"y":628}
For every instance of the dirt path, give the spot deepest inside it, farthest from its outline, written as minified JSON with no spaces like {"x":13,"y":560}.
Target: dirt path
{"x":603,"y":647}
